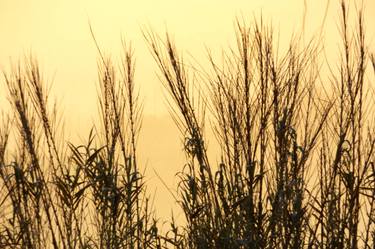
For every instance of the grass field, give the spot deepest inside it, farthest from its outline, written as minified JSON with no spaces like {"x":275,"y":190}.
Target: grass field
{"x":296,"y":167}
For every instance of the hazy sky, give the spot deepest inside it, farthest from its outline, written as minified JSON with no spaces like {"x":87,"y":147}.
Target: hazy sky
{"x":57,"y":33}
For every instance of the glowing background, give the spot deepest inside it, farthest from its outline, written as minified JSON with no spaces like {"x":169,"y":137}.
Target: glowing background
{"x":57,"y":32}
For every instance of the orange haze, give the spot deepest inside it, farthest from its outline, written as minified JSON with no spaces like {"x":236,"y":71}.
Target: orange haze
{"x":57,"y":33}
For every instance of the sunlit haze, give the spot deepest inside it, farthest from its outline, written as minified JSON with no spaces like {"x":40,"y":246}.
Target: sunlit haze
{"x":57,"y":33}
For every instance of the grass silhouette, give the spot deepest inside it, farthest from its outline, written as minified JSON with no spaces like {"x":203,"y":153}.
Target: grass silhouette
{"x":296,"y":166}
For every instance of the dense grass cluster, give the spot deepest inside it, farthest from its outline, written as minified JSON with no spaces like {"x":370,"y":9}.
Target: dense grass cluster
{"x":296,"y":166}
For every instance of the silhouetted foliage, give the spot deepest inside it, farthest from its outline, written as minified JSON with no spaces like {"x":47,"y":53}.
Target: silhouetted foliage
{"x":296,"y":166}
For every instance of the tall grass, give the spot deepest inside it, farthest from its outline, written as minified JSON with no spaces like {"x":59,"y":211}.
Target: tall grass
{"x":74,"y":196}
{"x":296,"y":165}
{"x":279,"y":127}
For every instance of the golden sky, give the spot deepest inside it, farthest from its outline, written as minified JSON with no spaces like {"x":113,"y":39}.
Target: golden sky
{"x":57,"y":33}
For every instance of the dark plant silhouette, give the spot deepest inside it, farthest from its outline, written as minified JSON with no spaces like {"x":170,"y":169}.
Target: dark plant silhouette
{"x":279,"y":127}
{"x":295,"y":167}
